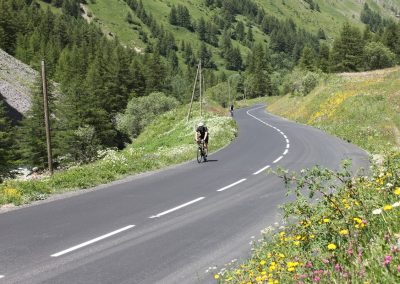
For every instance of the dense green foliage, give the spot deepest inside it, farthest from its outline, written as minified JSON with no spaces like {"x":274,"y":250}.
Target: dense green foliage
{"x":6,"y":143}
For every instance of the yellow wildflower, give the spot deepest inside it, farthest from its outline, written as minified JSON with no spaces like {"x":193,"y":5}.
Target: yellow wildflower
{"x":358,"y":220}
{"x":397,"y":191}
{"x":326,"y":220}
{"x":312,"y":236}
{"x":331,"y":246}
{"x":262,"y":262}
{"x":387,"y":207}
{"x":216,"y":276}
{"x":344,"y":232}
{"x":281,"y":255}
{"x":258,"y":279}
{"x":296,"y":243}
{"x":290,"y":269}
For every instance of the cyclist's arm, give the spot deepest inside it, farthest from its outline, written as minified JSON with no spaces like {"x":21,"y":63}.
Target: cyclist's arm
{"x":205,"y":135}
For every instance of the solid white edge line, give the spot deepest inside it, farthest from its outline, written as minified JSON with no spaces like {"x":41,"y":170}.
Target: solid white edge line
{"x":231,"y":185}
{"x":277,"y":160}
{"x":286,"y":151}
{"x":260,"y":171}
{"x":92,"y":241}
{"x":177,"y":208}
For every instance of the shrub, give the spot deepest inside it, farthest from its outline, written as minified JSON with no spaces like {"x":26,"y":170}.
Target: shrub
{"x":300,"y":82}
{"x":378,"y":56}
{"x":140,"y":112}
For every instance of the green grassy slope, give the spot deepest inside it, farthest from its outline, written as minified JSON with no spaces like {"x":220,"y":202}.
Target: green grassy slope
{"x":112,"y":13}
{"x":361,"y":107}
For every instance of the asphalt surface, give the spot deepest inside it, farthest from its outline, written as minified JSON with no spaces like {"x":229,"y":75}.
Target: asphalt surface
{"x":169,"y":226}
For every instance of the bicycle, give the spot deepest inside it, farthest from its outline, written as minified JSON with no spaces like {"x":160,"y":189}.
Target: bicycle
{"x":201,"y":154}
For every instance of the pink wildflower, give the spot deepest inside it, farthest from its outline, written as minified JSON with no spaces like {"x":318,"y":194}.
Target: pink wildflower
{"x":316,"y":279}
{"x":337,"y":267}
{"x":345,"y":275}
{"x":309,"y":264}
{"x":325,"y":261}
{"x":360,"y":252}
{"x":388,"y":258}
{"x":398,"y":268}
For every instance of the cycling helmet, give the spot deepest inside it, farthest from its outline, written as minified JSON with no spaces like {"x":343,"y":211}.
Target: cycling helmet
{"x":200,"y":124}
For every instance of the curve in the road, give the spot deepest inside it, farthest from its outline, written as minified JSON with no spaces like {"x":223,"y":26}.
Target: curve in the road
{"x":220,"y":207}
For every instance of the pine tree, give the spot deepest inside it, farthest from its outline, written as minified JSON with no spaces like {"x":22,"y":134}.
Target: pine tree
{"x":391,"y":38}
{"x":347,"y":51}
{"x":8,"y":28}
{"x":323,"y":58}
{"x":32,"y":133}
{"x":240,"y":31}
{"x":201,"y":29}
{"x":258,"y":81}
{"x":233,"y":59}
{"x":307,"y":60}
{"x":173,"y":16}
{"x":6,"y":143}
{"x":205,"y":56}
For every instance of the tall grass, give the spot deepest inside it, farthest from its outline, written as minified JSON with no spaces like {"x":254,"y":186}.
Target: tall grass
{"x":362,"y":108}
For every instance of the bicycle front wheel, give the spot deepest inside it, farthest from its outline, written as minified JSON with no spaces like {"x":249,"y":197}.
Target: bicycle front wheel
{"x":199,"y":155}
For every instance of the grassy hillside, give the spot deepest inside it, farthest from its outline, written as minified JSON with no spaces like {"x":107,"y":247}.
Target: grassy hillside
{"x":333,"y":13}
{"x":166,"y":141}
{"x":363,"y":108}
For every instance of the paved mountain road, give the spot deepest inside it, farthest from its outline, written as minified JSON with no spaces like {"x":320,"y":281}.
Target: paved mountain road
{"x":169,"y":226}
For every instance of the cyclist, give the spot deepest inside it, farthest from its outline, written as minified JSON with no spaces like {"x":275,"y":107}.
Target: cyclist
{"x":202,"y":135}
{"x":231,"y":110}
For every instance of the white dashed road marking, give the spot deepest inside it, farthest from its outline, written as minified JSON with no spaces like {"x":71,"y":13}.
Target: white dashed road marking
{"x":260,"y":171}
{"x":92,"y":241}
{"x":176,"y":208}
{"x":277,"y":129}
{"x":231,"y":185}
{"x":277,"y":160}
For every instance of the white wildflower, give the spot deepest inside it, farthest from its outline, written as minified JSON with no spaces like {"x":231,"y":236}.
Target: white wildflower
{"x":377,"y":211}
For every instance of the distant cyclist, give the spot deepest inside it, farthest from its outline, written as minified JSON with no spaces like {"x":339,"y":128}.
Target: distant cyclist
{"x":202,"y":135}
{"x":231,"y":110}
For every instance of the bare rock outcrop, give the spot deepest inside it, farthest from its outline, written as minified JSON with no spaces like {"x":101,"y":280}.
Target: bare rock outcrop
{"x":16,"y":80}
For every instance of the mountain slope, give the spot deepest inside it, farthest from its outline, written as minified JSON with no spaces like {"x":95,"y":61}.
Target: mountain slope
{"x":360,"y":107}
{"x":16,"y":79}
{"x":333,"y":14}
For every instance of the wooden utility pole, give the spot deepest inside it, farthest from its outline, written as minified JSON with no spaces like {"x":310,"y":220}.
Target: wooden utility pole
{"x":201,"y":99}
{"x":194,"y":89}
{"x":47,"y":119}
{"x":229,"y":92}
